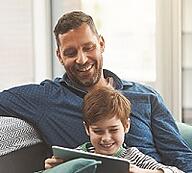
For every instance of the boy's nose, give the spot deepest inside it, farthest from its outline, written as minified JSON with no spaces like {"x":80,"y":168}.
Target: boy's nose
{"x":106,"y":137}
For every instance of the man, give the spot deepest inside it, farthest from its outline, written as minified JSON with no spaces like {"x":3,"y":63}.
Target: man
{"x":55,"y":107}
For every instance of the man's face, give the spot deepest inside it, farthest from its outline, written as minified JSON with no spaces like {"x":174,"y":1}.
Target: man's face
{"x":107,"y":135}
{"x":80,"y":52}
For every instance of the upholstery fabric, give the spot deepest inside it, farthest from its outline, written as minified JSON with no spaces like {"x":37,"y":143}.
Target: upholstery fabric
{"x":16,"y":134}
{"x":186,"y":132}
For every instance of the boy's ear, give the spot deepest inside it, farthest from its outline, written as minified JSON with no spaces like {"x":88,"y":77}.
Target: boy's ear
{"x":127,"y":126}
{"x":86,"y":128}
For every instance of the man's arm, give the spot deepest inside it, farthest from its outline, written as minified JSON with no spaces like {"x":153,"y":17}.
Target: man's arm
{"x":168,"y":141}
{"x":23,"y":102}
{"x":153,"y":130}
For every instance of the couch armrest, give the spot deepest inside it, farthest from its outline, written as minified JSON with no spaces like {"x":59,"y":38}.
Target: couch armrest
{"x":21,"y":148}
{"x":16,"y":134}
{"x":186,"y":132}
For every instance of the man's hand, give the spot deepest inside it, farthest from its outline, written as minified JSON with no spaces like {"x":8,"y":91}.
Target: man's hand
{"x":52,"y":162}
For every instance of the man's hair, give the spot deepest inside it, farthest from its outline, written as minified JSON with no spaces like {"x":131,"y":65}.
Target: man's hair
{"x":105,"y":103}
{"x":73,"y":20}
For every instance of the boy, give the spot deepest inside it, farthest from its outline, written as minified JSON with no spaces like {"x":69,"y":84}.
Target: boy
{"x":106,"y":119}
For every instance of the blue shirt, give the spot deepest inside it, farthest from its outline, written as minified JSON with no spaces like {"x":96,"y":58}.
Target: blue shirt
{"x":54,"y":108}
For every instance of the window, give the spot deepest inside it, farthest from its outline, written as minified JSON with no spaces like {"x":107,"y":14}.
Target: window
{"x":16,"y":48}
{"x":128,"y":27}
{"x":25,"y":51}
{"x":140,"y":41}
{"x":187,"y":60}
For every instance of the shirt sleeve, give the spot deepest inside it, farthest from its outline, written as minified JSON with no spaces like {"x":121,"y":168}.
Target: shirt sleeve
{"x":25,"y":102}
{"x":171,"y":170}
{"x":167,"y":139}
{"x":160,"y":137}
{"x":146,"y":162}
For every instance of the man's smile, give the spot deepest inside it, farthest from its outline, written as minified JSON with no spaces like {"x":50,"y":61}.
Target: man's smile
{"x":85,"y":68}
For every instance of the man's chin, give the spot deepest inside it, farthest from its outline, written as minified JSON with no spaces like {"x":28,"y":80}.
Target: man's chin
{"x":85,"y":81}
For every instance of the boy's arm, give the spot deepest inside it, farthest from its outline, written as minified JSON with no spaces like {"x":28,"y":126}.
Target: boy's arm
{"x":148,"y":163}
{"x":135,"y":169}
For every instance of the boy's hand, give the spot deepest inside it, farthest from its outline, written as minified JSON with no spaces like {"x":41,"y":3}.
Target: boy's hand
{"x":53,"y":161}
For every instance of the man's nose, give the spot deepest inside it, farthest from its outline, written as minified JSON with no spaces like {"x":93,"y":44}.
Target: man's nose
{"x":81,"y":58}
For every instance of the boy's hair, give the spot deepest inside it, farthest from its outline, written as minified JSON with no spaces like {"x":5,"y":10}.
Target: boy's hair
{"x":105,"y":103}
{"x":73,"y":20}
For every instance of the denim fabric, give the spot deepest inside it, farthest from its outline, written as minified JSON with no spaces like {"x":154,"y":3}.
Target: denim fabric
{"x":54,"y":107}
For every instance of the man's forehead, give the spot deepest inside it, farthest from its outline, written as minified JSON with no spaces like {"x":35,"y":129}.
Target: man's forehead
{"x":85,"y":28}
{"x":79,"y":36}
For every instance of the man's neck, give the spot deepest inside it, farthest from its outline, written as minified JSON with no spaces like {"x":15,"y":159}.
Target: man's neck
{"x":102,"y":82}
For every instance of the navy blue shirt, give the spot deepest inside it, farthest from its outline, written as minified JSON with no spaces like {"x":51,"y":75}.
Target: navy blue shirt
{"x":54,"y":108}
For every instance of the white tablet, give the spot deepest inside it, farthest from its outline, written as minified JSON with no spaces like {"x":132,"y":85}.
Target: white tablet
{"x":109,"y":164}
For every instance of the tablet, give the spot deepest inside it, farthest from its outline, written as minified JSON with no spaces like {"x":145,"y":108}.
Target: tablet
{"x":109,"y":164}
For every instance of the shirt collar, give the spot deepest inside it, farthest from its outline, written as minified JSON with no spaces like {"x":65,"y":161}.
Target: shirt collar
{"x":120,"y":152}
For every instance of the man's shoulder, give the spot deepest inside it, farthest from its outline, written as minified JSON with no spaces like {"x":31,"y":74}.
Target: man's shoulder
{"x":132,"y":86}
{"x":51,"y":82}
{"x":34,"y":88}
{"x":129,"y":86}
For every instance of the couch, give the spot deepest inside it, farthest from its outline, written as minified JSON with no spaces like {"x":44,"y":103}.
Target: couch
{"x":22,"y":149}
{"x":186,"y":132}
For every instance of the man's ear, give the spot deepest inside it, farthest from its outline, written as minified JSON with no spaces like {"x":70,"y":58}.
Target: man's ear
{"x":86,"y":128}
{"x":59,"y":56}
{"x":102,"y":43}
{"x":127,"y":125}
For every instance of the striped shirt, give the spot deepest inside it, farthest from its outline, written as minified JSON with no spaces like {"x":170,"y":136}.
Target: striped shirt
{"x":135,"y":157}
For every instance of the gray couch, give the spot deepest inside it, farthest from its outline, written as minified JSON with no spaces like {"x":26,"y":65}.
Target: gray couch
{"x":21,"y":148}
{"x":23,"y":151}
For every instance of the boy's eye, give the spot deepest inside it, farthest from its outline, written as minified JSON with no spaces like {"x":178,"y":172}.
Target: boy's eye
{"x":70,"y":52}
{"x":114,"y":130}
{"x":98,"y":131}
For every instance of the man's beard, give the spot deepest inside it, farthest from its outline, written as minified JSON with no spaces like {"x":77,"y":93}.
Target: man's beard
{"x":90,"y":81}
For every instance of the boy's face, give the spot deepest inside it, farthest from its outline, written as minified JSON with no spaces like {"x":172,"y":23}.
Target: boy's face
{"x":107,"y":135}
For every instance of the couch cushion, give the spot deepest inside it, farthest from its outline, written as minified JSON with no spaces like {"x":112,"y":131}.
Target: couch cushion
{"x":16,"y":134}
{"x":25,"y":160}
{"x":186,"y":132}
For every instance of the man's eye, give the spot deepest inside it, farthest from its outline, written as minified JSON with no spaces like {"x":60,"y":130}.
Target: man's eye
{"x":89,"y":48}
{"x":71,"y":52}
